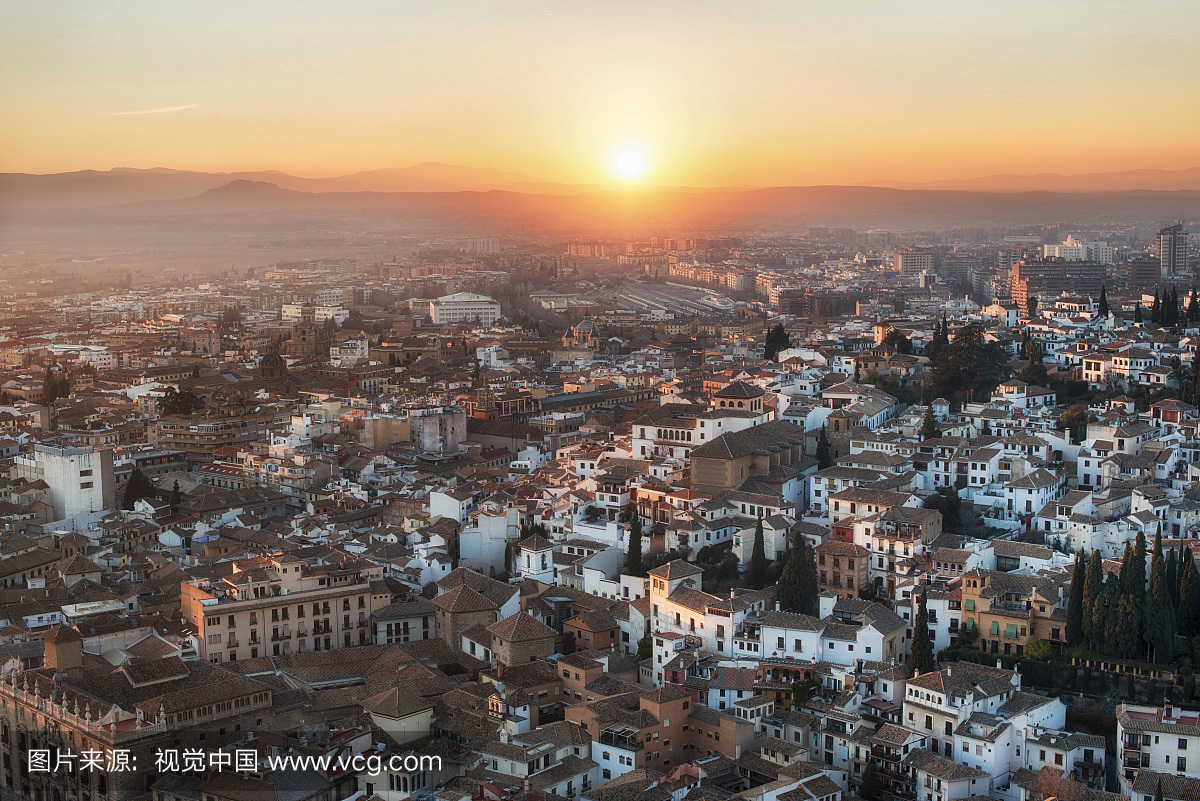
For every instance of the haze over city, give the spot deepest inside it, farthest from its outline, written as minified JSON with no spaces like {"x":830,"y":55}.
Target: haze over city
{"x":609,"y":401}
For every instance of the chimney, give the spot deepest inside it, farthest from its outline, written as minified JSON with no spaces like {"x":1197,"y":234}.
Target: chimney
{"x":777,"y":606}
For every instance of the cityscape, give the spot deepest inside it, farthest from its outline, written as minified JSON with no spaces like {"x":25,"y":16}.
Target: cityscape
{"x":539,"y":402}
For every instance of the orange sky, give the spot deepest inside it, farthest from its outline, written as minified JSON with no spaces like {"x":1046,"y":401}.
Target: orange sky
{"x":789,"y":92}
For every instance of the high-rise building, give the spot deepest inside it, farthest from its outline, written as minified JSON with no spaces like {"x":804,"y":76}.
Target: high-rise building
{"x":913,"y":260}
{"x":81,"y":480}
{"x":1049,"y":278}
{"x":1172,"y":250}
{"x":1143,"y":273}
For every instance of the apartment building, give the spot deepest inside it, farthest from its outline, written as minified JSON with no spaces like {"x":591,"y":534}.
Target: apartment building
{"x":679,"y":606}
{"x":1163,"y":740}
{"x":276,"y":606}
{"x":202,"y":434}
{"x":1010,"y":609}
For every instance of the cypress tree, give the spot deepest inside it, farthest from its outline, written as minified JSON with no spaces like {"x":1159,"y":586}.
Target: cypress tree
{"x":756,"y":576}
{"x":1103,"y":302}
{"x":870,"y":781}
{"x":1158,"y":631}
{"x":920,"y":658}
{"x":633,"y":560}
{"x":1075,"y":603}
{"x":1173,"y":578}
{"x":790,"y":591}
{"x":1124,"y":635}
{"x":824,"y":455}
{"x":1137,"y":312}
{"x":1193,"y":309}
{"x":1093,"y":586}
{"x":1156,"y":309}
{"x":1109,"y":627}
{"x":1158,"y":796}
{"x":1133,"y":579}
{"x":809,"y":586}
{"x":1187,"y":612}
{"x":928,"y":425}
{"x":1099,"y":618}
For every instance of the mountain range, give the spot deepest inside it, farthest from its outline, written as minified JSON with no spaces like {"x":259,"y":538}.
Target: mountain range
{"x":94,"y":188}
{"x":441,"y":193}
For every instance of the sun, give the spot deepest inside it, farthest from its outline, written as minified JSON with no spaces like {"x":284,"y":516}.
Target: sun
{"x":629,"y":162}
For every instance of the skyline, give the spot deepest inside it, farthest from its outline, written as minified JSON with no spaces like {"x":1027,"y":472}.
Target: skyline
{"x":778,"y":94}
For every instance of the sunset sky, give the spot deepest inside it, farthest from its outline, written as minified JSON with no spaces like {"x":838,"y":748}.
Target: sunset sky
{"x":689,"y":93}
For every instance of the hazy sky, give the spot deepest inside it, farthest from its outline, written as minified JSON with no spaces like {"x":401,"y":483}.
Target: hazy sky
{"x":747,"y":92}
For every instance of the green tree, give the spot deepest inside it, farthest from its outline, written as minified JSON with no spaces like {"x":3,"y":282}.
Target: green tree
{"x":1158,"y":629}
{"x":940,"y":339}
{"x":929,"y":425}
{"x":896,"y":340}
{"x":970,"y":365}
{"x":870,"y":781}
{"x":1037,"y":648}
{"x":1187,"y":612}
{"x":1093,"y":587}
{"x":176,"y":496}
{"x":175,"y":402}
{"x":1031,"y":306}
{"x":138,"y":486}
{"x":231,"y":317}
{"x":810,"y":590}
{"x":1100,"y":610}
{"x":633,"y":561}
{"x":1173,"y":577}
{"x":947,"y":501}
{"x":920,"y":658}
{"x":1076,"y":419}
{"x":824,"y":452}
{"x":1074,"y":631}
{"x":1124,"y":638}
{"x":1193,"y":308}
{"x":1156,"y":308}
{"x":645,"y":648}
{"x":789,"y":592}
{"x":568,"y":643}
{"x":756,"y":575}
{"x":1103,"y":301}
{"x":1137,"y":312}
{"x":1134,"y":582}
{"x":777,"y":339}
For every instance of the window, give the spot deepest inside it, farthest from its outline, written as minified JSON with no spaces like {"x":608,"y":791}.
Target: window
{"x":1181,"y":765}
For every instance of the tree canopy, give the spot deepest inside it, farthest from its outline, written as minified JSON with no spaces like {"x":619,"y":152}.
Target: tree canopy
{"x":970,"y":366}
{"x":176,"y":402}
{"x":777,"y":340}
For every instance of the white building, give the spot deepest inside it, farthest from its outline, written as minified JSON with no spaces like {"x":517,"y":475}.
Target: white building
{"x":290,"y":313}
{"x":1080,"y":249}
{"x":464,"y":307}
{"x":81,"y":480}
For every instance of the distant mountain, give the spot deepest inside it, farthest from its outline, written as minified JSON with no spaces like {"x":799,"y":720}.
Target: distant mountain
{"x":94,"y":188}
{"x":431,"y":177}
{"x":1129,"y":180}
{"x":678,"y":210}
